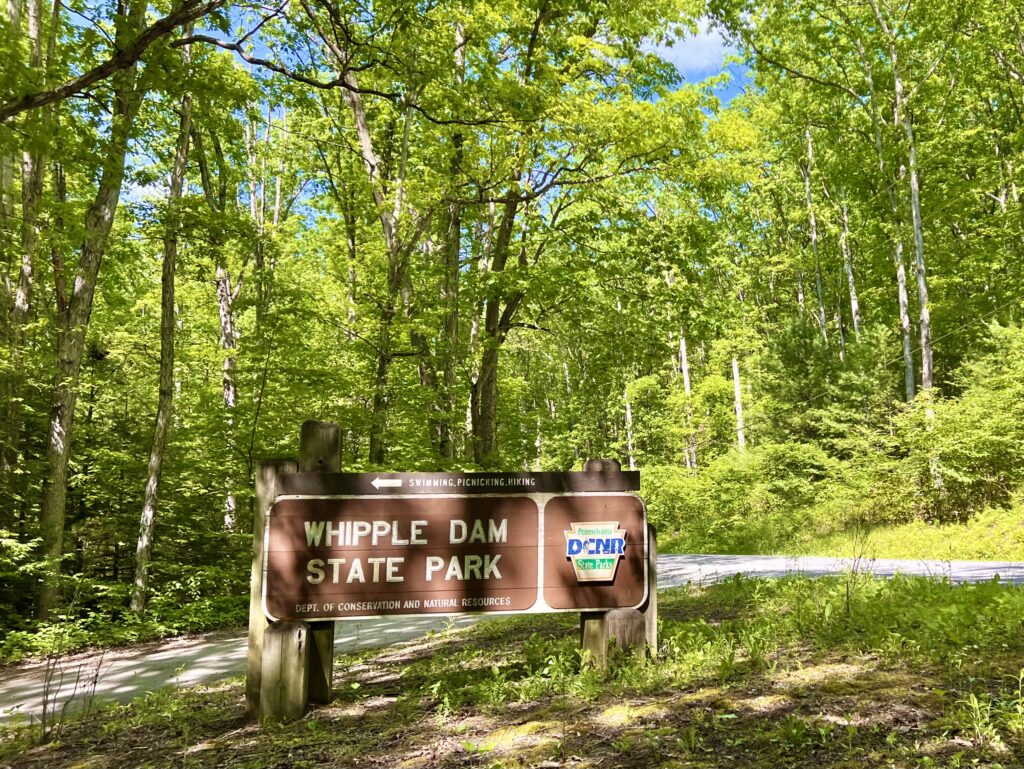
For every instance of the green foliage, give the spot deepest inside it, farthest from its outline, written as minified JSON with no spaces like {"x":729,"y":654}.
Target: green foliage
{"x":739,"y":503}
{"x":207,"y":598}
{"x":513,"y":232}
{"x":991,"y":535}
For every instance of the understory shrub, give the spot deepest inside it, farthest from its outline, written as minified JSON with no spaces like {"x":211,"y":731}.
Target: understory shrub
{"x":740,"y":502}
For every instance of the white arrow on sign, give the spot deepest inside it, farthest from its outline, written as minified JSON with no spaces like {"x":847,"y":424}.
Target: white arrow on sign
{"x":386,"y":483}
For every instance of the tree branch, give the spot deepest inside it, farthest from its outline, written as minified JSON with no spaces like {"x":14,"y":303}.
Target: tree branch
{"x":803,"y":75}
{"x":123,"y":59}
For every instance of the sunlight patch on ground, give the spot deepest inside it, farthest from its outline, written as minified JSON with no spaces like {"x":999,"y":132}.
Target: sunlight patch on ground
{"x":765,"y":704}
{"x":699,"y":696}
{"x":521,"y":735}
{"x":619,"y":715}
{"x":829,"y":673}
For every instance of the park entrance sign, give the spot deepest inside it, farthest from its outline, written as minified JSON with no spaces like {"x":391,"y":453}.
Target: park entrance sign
{"x":349,"y":545}
{"x":331,"y":546}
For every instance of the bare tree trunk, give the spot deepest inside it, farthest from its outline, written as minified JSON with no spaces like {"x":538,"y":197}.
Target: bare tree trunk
{"x":805,"y":171}
{"x":143,"y":549}
{"x":844,"y":244}
{"x":33,"y":170}
{"x":389,"y":214}
{"x":630,"y":447}
{"x":897,"y":224}
{"x":9,"y":386}
{"x":450,"y":289}
{"x":12,"y":10}
{"x":840,"y":333}
{"x":379,"y":405}
{"x":496,"y":320}
{"x":486,"y":433}
{"x":226,"y":296}
{"x":924,"y":319}
{"x":217,"y":201}
{"x":74,"y":322}
{"x":741,"y":437}
{"x":397,"y":259}
{"x":352,"y":246}
{"x":902,"y":117}
{"x":684,"y":368}
{"x":471,"y":448}
{"x":12,"y":15}
{"x":904,"y":304}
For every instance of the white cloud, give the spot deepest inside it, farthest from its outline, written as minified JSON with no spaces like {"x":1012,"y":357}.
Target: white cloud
{"x":699,"y":56}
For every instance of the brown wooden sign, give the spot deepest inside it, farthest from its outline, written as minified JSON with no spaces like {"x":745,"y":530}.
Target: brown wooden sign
{"x":402,"y":551}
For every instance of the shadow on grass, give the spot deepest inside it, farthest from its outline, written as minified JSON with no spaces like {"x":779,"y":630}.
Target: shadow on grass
{"x":510,"y":694}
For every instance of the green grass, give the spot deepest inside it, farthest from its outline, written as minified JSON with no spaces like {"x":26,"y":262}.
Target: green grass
{"x":845,"y":672}
{"x":993,"y":535}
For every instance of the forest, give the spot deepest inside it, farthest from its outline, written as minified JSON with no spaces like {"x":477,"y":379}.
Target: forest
{"x":497,"y":234}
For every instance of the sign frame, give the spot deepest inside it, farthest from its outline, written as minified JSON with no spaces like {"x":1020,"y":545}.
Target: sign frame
{"x":588,"y":485}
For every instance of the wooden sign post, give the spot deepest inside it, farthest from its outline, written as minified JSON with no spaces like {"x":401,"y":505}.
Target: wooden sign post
{"x":320,"y":452}
{"x":331,"y":546}
{"x":268,"y":473}
{"x":628,"y":628}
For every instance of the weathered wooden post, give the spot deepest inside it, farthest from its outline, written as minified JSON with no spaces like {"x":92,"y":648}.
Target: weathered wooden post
{"x":285,"y":679}
{"x":637,"y":629}
{"x":629,"y":628}
{"x":594,"y":638}
{"x":267,"y":474}
{"x":320,"y":452}
{"x":650,"y":611}
{"x":593,"y":631}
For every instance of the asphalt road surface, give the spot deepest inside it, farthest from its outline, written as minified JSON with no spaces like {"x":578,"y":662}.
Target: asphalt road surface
{"x":124,"y":674}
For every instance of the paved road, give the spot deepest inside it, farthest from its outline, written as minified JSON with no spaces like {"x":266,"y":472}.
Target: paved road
{"x":122,"y":675}
{"x":676,"y":570}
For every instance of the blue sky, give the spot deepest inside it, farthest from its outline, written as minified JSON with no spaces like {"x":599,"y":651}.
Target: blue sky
{"x":702,"y":56}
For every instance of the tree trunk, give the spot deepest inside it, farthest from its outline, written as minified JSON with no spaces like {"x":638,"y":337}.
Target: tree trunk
{"x":902,"y":117}
{"x":229,"y":388}
{"x":486,"y":433}
{"x":398,"y":250}
{"x":897,"y":225}
{"x":844,"y":244}
{"x":216,"y":201}
{"x":684,"y":369}
{"x":352,"y":249}
{"x":472,"y":443}
{"x":450,"y":289}
{"x":143,"y":549}
{"x":12,"y":10}
{"x":630,"y":445}
{"x":496,"y":322}
{"x":805,"y":171}
{"x":741,"y":437}
{"x":924,"y":320}
{"x":74,"y":321}
{"x":33,"y":169}
{"x":472,"y":447}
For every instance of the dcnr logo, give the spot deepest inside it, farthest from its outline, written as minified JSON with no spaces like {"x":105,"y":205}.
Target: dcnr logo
{"x":594,"y":549}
